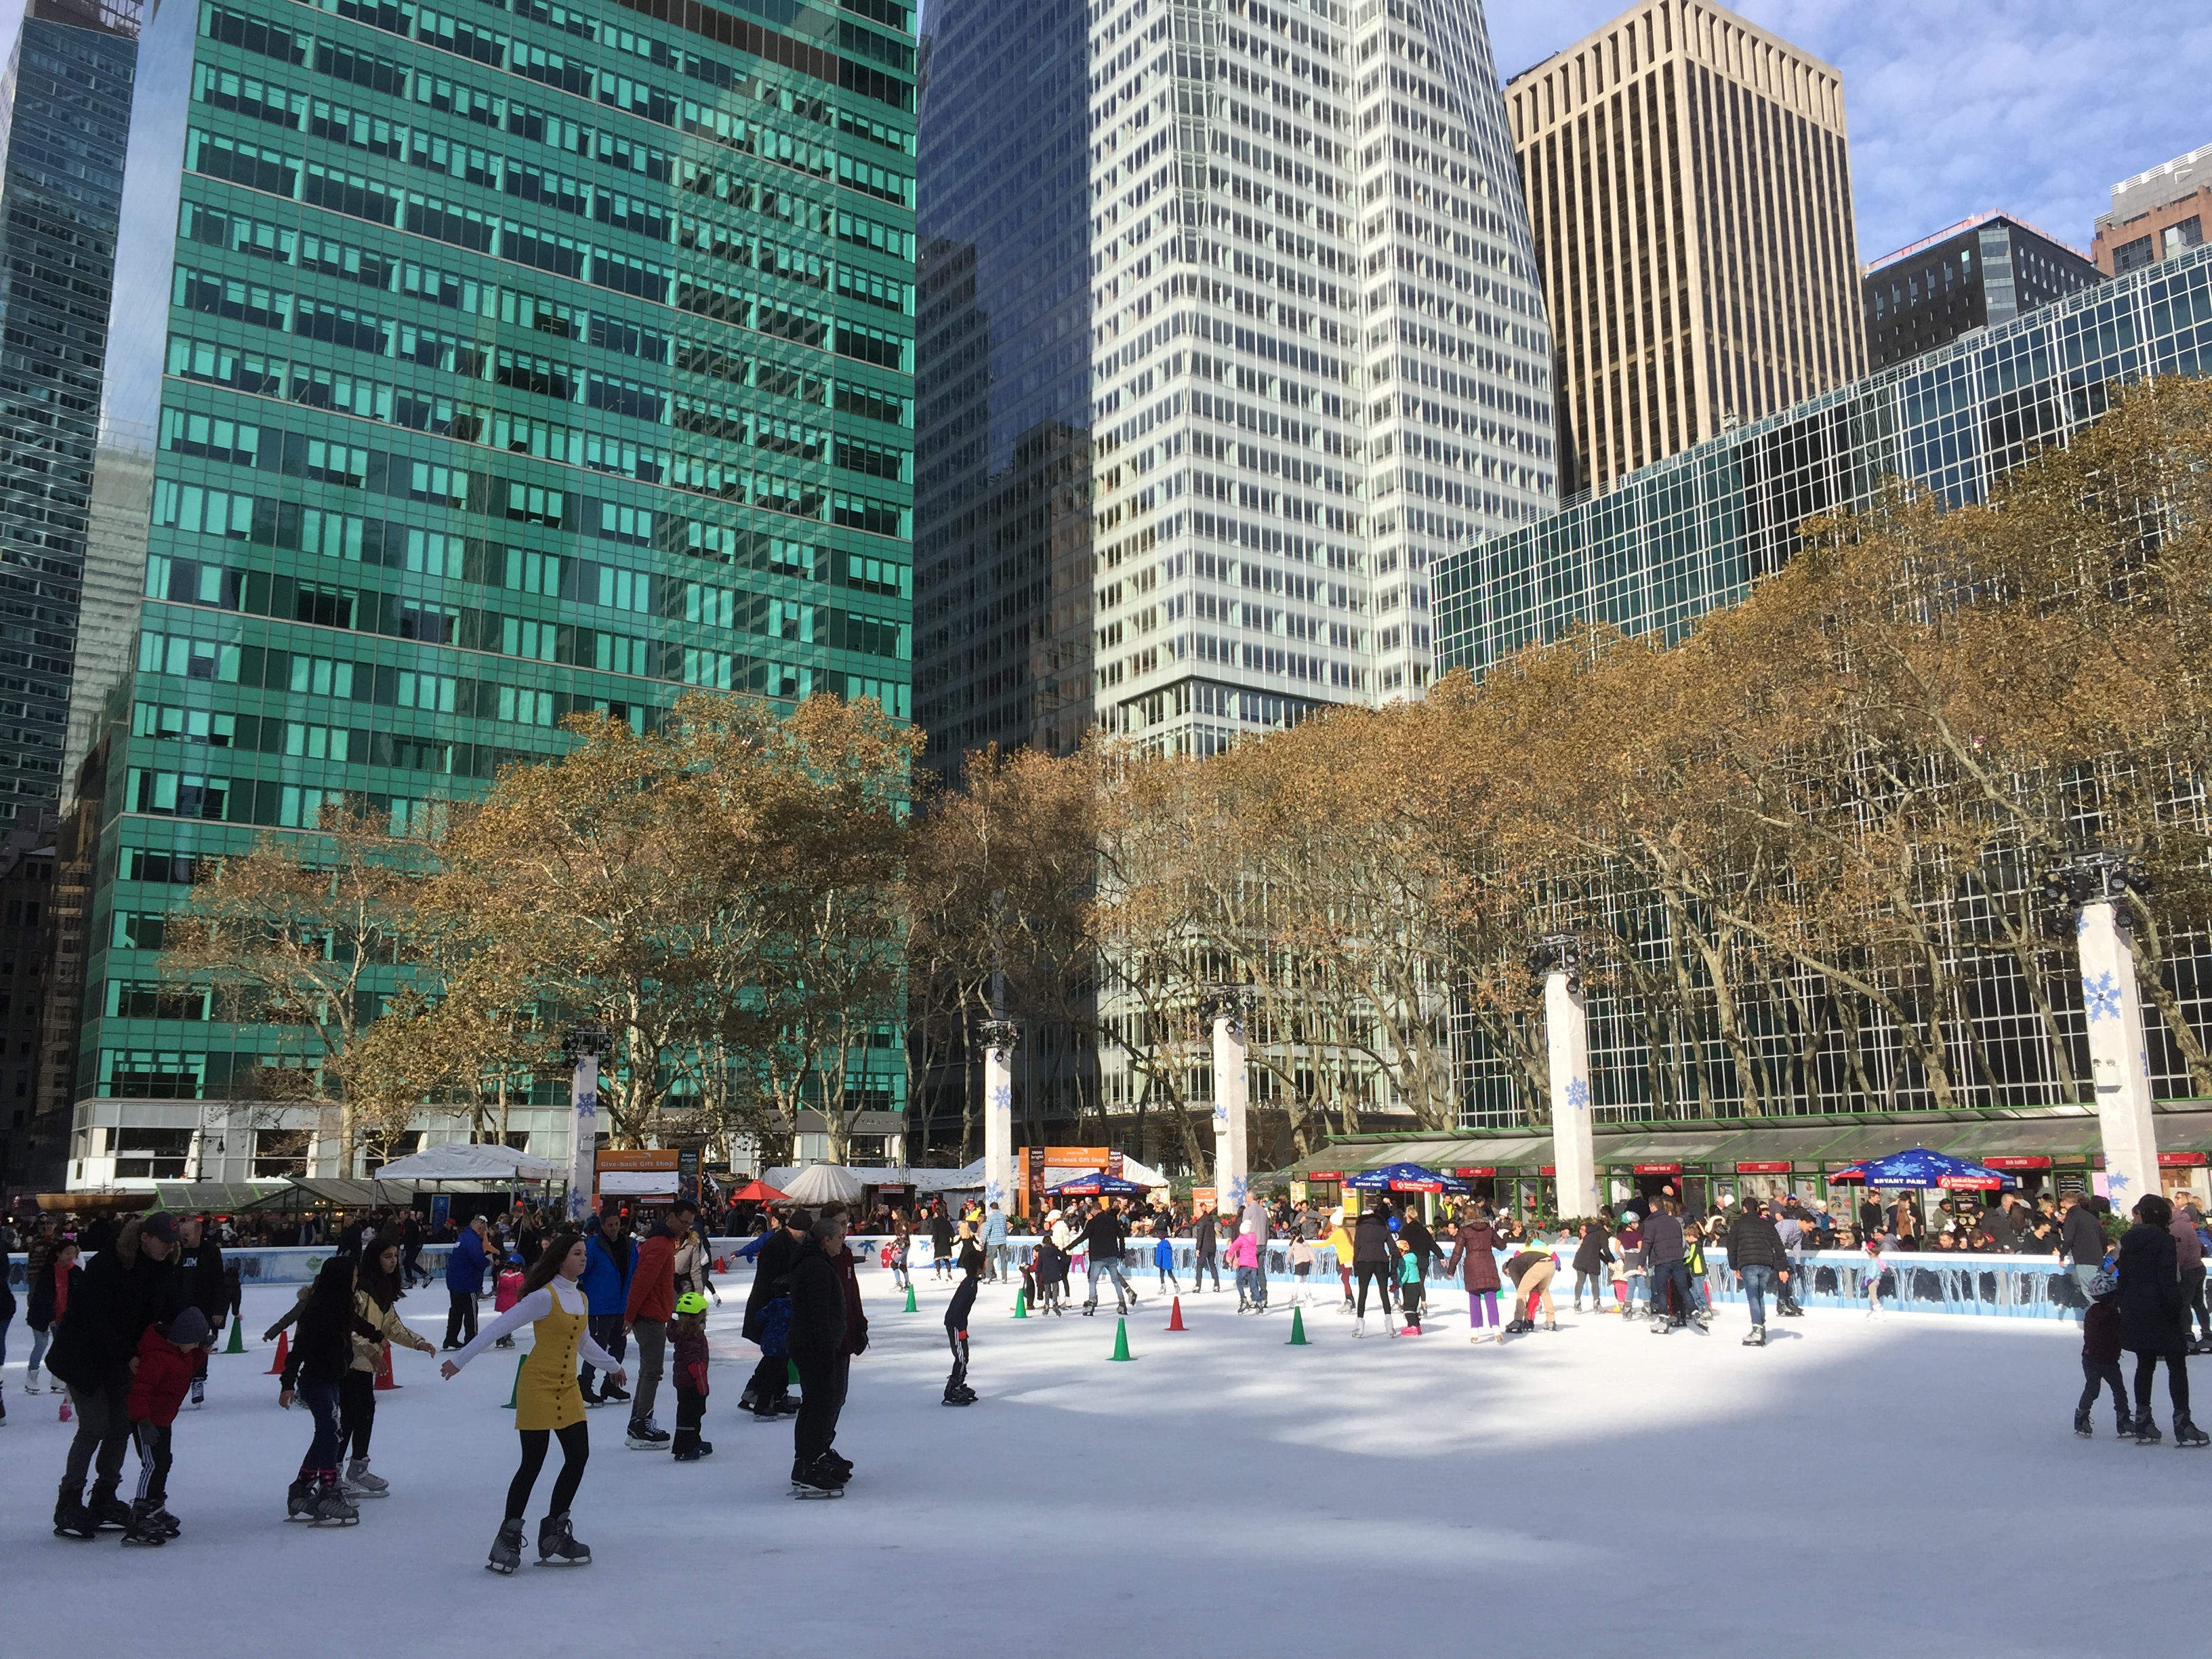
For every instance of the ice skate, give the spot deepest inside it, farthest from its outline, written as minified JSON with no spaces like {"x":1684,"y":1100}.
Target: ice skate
{"x":109,"y":1512}
{"x":2125,"y":1427}
{"x":2082,"y":1425}
{"x":300,"y":1500}
{"x":360,"y":1483}
{"x":1089,"y":1309}
{"x":31,"y":1382}
{"x":557,"y":1545}
{"x":2186,"y":1434}
{"x":334,"y":1509}
{"x":144,"y":1528}
{"x":1551,"y":1324}
{"x":643,"y":1437}
{"x":1757,"y":1339}
{"x":613,"y":1391}
{"x":820,"y":1478}
{"x":199,"y":1394}
{"x":2147,"y":1433}
{"x":1359,"y":1326}
{"x":72,"y":1518}
{"x":170,"y":1526}
{"x":506,"y":1549}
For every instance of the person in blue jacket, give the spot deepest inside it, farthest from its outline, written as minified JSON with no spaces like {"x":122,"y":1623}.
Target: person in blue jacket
{"x":465,"y":1272}
{"x":608,"y":1258}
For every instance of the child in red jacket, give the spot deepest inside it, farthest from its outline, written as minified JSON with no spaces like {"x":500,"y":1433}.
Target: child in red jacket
{"x":167,"y":1360}
{"x":687,"y":1334}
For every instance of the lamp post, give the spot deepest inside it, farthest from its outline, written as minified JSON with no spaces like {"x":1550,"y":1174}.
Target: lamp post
{"x":1227,"y":1007}
{"x":1567,"y":1041}
{"x":2095,"y":885}
{"x":999,"y":1036}
{"x":583,"y":1044}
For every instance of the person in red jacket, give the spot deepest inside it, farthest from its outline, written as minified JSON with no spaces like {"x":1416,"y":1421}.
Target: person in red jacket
{"x":160,"y":1377}
{"x":646,"y":1313}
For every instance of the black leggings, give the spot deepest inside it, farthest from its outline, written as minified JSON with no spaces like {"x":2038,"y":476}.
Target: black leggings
{"x":2177,"y":1380}
{"x":1380,"y":1273}
{"x":356,"y":1411}
{"x":575,"y":1451}
{"x":959,"y":1341}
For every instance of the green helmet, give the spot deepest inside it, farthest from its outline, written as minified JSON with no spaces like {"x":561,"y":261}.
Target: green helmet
{"x":691,"y":1302}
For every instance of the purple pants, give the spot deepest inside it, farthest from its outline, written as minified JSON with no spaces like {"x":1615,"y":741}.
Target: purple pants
{"x":1481,"y":1308}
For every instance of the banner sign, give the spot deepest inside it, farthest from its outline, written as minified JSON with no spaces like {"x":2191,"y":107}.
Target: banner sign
{"x":1201,"y":1200}
{"x":2014,"y":1163}
{"x":1782,"y":1167}
{"x":2180,"y":1160}
{"x":1657,"y":1169}
{"x":1324,"y":1174}
{"x":1483,"y":1171}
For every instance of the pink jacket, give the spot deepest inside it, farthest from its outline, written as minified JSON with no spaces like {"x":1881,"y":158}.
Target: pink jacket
{"x":1244,"y":1251}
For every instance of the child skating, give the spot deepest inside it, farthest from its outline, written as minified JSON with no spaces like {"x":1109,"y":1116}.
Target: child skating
{"x":166,"y":1362}
{"x":1163,"y":1261}
{"x":2100,"y":1357}
{"x":687,"y":1335}
{"x":1410,"y":1287}
{"x":547,"y":1401}
{"x":506,"y":1293}
{"x":956,"y":1391}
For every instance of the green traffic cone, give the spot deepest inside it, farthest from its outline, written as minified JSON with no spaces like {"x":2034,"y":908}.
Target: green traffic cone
{"x":237,"y":1335}
{"x":1021,"y":1304}
{"x":1297,"y":1329}
{"x":515,"y":1393}
{"x":1121,"y":1341}
{"x":910,"y":1307}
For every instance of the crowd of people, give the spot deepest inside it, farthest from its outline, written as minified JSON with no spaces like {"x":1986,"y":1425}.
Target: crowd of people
{"x":123,"y":1314}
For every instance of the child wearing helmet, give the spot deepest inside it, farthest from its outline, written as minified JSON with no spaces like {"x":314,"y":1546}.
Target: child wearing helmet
{"x":687,"y":1335}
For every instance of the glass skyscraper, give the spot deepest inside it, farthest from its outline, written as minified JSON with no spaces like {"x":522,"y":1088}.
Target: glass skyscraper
{"x":1231,"y":325}
{"x":1693,"y":532}
{"x":492,"y":364}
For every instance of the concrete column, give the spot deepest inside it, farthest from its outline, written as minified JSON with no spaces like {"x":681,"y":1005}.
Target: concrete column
{"x":1566,"y":1036}
{"x":998,"y":1038}
{"x":2119,"y":1056}
{"x":1231,"y":1093}
{"x":583,"y":1134}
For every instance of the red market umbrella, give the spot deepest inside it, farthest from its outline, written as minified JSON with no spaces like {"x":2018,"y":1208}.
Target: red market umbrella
{"x":756,"y":1192}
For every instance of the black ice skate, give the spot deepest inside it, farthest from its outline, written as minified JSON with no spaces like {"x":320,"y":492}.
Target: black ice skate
{"x":2082,"y":1425}
{"x":2186,"y":1434}
{"x":557,"y":1545}
{"x":506,"y":1549}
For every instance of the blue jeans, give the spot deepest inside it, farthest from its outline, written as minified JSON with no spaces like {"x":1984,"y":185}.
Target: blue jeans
{"x":1113,"y":1270}
{"x":1640,"y":1289}
{"x":1755,"y":1281}
{"x":322,"y":1400}
{"x":1244,"y":1284}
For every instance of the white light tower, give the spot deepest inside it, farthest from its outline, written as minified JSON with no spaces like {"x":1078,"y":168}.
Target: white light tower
{"x":583,"y":1045}
{"x":1567,"y":1038}
{"x":2097,"y":885}
{"x":999,"y":1037}
{"x":1231,"y":1095}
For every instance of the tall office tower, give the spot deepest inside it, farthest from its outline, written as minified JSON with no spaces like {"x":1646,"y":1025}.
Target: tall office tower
{"x":67,"y":113}
{"x":2156,"y":214}
{"x":495,"y":367}
{"x":1231,"y":326}
{"x":1689,"y":182}
{"x":1988,"y":269}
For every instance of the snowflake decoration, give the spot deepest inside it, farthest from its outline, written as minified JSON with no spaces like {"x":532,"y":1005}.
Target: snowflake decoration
{"x":1002,"y":1097}
{"x":2116,"y":1183}
{"x":1579,"y":1094}
{"x":2101,"y":997}
{"x":2082,"y":924}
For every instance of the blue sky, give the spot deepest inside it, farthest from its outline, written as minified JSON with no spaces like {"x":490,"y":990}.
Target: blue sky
{"x":2036,"y":107}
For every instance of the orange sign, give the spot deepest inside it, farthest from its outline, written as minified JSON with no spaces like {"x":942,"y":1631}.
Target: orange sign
{"x":1201,"y":1200}
{"x":638,"y":1160}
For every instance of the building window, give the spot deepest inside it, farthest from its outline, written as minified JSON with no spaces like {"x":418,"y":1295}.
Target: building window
{"x":151,"y":1154}
{"x":280,"y":1152}
{"x":2132,"y":256}
{"x":2177,"y":238}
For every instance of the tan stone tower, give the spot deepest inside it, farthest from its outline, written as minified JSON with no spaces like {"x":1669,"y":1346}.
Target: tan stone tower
{"x":1688,"y":182}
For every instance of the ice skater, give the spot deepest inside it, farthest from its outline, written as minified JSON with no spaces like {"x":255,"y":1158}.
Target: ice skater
{"x":1302,"y":1261}
{"x":2154,"y":1319}
{"x":1474,"y":1259}
{"x":1371,"y":1259}
{"x":1340,"y":1242}
{"x":168,"y":1364}
{"x":548,"y":1399}
{"x":1163,"y":1257}
{"x":1243,"y":1251}
{"x":2100,"y":1357}
{"x":1105,"y":1237}
{"x":506,"y":1293}
{"x":315,"y":1372}
{"x":1592,"y":1257}
{"x":1204,"y":1237}
{"x":1410,"y":1286}
{"x":687,"y":1341}
{"x":972,"y":1262}
{"x":376,"y":1298}
{"x":1873,"y":1271}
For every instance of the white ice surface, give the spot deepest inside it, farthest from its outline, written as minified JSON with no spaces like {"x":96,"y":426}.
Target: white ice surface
{"x":1601,"y":1490}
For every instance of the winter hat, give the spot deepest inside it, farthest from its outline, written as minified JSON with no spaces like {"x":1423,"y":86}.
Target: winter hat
{"x":159,"y":1226}
{"x":189,"y":1329}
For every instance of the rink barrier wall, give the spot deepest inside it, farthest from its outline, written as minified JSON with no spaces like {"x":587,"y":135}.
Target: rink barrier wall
{"x":2003,"y":1286}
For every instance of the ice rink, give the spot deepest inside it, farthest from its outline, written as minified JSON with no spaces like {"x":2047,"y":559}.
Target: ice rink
{"x":1912,"y":1484}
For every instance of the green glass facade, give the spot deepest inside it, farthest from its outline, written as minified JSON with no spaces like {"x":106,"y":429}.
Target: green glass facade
{"x":1693,"y":533}
{"x":511,"y":360}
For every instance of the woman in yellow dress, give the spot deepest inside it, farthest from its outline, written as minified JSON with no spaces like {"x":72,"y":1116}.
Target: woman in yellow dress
{"x":547,"y":1401}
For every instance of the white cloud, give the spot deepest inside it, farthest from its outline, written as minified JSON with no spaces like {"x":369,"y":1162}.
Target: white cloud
{"x":2035,"y":107}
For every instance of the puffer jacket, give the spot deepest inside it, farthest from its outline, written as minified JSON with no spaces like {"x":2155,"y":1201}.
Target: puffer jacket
{"x":2154,"y":1308}
{"x":1753,"y":1242}
{"x":1474,"y":1256}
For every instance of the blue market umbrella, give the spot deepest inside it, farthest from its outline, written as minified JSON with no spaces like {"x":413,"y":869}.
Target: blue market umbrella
{"x":1406,"y":1178}
{"x":1922,"y":1168}
{"x":1097,"y":1185}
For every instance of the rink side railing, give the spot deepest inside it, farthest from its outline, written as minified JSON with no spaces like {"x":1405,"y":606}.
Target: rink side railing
{"x":2005,"y":1286}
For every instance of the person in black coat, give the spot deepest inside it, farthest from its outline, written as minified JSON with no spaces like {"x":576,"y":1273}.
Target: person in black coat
{"x":817,"y":1349}
{"x":202,"y":1284}
{"x":128,"y":1287}
{"x":1372,"y":1258}
{"x":770,"y":1388}
{"x":2154,"y":1318}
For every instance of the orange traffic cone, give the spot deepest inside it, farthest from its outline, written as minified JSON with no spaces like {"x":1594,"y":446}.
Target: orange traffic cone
{"x":384,"y":1379}
{"x":1175,"y":1316}
{"x":721,"y":1264}
{"x":284,"y":1352}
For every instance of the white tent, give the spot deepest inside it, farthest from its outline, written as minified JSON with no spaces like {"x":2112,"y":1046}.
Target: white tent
{"x":459,"y":1160}
{"x":1143,"y":1175}
{"x":822,"y":1183}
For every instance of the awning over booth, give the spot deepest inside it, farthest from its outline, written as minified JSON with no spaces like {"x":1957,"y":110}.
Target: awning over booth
{"x":460,"y":1160}
{"x":211,"y":1197}
{"x":331,"y":1193}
